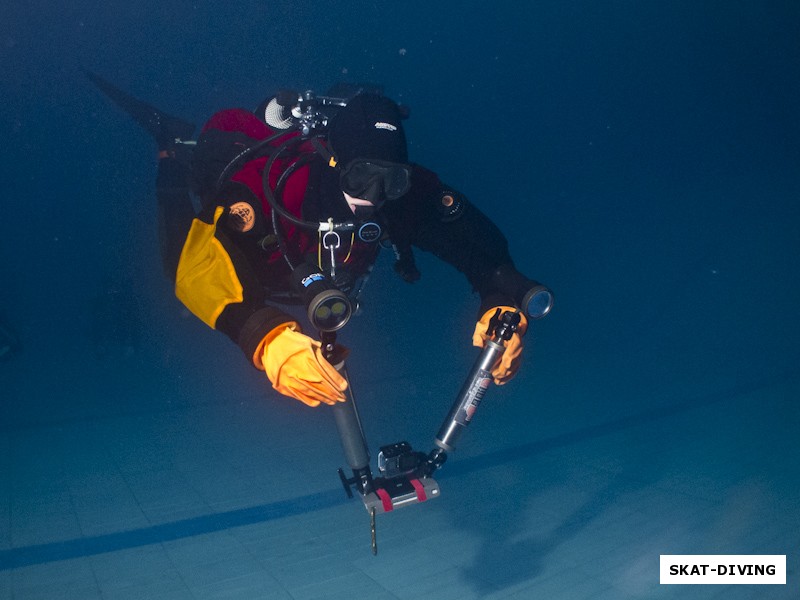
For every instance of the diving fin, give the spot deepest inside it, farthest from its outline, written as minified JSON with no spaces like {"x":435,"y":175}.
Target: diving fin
{"x":164,"y":128}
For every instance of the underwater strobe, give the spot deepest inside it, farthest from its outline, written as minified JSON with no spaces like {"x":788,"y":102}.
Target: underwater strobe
{"x":329,"y":309}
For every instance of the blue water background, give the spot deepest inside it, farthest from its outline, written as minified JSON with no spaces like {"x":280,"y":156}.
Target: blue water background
{"x":642,"y":159}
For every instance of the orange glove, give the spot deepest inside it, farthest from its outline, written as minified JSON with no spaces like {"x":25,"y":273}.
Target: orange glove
{"x":508,"y":365}
{"x":295,"y":366}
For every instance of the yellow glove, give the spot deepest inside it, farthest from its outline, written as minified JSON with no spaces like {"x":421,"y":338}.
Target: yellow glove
{"x":508,"y":365}
{"x":295,"y":366}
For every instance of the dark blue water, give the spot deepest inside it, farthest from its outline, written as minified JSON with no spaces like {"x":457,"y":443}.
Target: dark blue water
{"x":642,"y":158}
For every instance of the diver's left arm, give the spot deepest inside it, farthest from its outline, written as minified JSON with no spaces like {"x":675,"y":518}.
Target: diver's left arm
{"x":438,"y":219}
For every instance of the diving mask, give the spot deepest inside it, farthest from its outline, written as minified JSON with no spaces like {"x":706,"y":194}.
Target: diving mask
{"x":375,"y":180}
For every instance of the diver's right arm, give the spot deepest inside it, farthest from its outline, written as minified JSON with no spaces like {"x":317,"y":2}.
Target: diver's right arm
{"x":217,"y":283}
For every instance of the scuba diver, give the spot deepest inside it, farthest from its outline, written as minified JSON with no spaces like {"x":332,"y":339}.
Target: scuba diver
{"x":296,"y":199}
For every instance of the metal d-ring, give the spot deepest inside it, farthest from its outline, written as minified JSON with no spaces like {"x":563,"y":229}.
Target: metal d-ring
{"x":332,"y":246}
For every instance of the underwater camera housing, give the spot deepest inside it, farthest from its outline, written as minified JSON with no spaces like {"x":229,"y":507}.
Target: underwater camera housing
{"x":404,"y":479}
{"x":398,"y":459}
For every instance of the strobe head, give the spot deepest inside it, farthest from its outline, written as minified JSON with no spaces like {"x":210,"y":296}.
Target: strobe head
{"x":537,"y":302}
{"x":328,"y":308}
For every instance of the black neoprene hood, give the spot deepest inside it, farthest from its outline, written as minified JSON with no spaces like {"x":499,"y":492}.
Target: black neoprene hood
{"x":370,"y":126}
